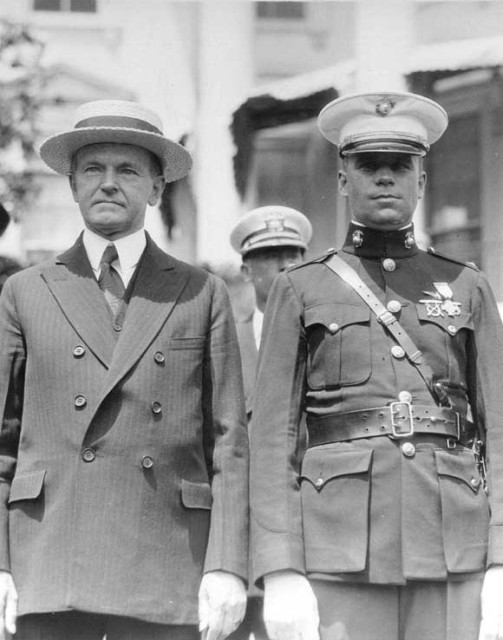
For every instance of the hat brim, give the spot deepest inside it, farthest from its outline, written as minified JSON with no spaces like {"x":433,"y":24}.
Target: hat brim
{"x":58,"y":150}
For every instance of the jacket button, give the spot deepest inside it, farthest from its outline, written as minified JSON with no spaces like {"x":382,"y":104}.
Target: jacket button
{"x":397,"y":352}
{"x":159,"y":357}
{"x":394,"y":306}
{"x":452,"y":329}
{"x":319,"y":483}
{"x":475,"y":482}
{"x":147,"y":462}
{"x":405,"y":396}
{"x":80,"y":401}
{"x":333,"y":327}
{"x":156,"y":407}
{"x":88,"y":455}
{"x":117,"y":326}
{"x":79,"y":351}
{"x":389,"y":264}
{"x":408,"y":449}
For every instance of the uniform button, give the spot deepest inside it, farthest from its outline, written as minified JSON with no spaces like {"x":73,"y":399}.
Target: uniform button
{"x":147,"y":462}
{"x":475,"y":482}
{"x":452,"y":329}
{"x":88,"y":455}
{"x":156,"y":407}
{"x":408,"y":449}
{"x":319,"y":483}
{"x":80,"y":401}
{"x":159,"y":357}
{"x":397,"y":351}
{"x":405,"y":396}
{"x":117,"y":326}
{"x":389,"y":264}
{"x":79,"y":351}
{"x":394,"y":306}
{"x":333,"y":327}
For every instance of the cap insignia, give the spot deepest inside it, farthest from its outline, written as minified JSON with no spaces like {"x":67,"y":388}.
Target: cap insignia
{"x":275,"y":223}
{"x":385,"y":106}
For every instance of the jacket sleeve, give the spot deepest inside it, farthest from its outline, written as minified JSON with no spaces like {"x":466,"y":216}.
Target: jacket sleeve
{"x":12,"y":366}
{"x":226,"y":441}
{"x":276,"y":525}
{"x":485,"y":369}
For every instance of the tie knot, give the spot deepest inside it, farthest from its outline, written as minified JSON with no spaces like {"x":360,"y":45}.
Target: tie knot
{"x":109,"y":255}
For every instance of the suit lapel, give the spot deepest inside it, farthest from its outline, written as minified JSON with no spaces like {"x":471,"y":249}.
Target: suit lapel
{"x":75,"y":289}
{"x":159,"y":284}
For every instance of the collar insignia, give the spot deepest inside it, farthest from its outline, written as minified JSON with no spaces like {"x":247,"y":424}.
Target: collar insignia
{"x":441,"y":302}
{"x":357,"y":238}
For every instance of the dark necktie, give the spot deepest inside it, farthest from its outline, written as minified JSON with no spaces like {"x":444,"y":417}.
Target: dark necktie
{"x":110,"y":281}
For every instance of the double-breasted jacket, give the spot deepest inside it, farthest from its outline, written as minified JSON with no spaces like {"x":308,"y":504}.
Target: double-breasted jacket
{"x":123,"y":448}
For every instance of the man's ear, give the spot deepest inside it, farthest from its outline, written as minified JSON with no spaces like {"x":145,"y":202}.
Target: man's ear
{"x":421,"y":183}
{"x":343,"y":180}
{"x":157,"y":189}
{"x":71,"y":179}
{"x":246,"y":272}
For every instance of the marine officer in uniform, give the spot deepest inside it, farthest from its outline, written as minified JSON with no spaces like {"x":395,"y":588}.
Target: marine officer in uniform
{"x":381,"y":529}
{"x":269,"y":239}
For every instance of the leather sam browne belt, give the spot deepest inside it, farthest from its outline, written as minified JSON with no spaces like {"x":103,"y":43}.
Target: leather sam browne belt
{"x":397,"y":420}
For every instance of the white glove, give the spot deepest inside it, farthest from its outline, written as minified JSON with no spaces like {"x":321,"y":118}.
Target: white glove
{"x":491,"y":627}
{"x":8,"y":605}
{"x":290,"y":607}
{"x":222,"y":604}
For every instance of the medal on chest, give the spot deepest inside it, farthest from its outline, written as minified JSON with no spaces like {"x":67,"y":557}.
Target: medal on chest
{"x":441,"y":303}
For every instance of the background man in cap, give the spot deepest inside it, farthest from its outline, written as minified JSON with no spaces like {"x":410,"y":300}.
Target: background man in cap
{"x":392,"y":352}
{"x":8,"y":266}
{"x":269,"y":239}
{"x":123,"y":445}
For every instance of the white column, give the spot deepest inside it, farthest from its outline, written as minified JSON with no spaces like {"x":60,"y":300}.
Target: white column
{"x":225,"y":76}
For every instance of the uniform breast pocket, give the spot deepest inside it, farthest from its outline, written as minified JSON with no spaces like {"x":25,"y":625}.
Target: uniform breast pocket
{"x":335,"y":492}
{"x":443,"y":339}
{"x":338,"y":345}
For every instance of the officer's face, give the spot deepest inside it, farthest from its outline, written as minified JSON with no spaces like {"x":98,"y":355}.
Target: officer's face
{"x":112,"y":184}
{"x":382,"y":188}
{"x":261,"y":269}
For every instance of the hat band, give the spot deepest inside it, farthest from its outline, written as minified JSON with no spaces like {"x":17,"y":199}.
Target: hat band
{"x":118,"y":122}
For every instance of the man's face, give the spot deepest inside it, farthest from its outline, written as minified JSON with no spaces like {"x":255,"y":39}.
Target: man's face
{"x":112,"y":184}
{"x":261,"y":267}
{"x":382,"y":188}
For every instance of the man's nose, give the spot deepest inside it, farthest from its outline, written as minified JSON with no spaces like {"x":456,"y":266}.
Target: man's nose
{"x":109,"y":181}
{"x":385,"y":176}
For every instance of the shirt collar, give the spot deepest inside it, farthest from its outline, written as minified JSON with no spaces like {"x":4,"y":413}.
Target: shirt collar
{"x":129,"y":248}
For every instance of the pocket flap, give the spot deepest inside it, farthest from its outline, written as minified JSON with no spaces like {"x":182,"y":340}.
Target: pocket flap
{"x":196,"y":495}
{"x":460,"y":465}
{"x":446,"y":322}
{"x":27,"y":486}
{"x":186,"y":343}
{"x":326,"y":465}
{"x":332,"y":315}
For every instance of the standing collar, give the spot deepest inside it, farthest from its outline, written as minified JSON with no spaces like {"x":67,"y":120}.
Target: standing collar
{"x":128,"y":248}
{"x":371,"y":243}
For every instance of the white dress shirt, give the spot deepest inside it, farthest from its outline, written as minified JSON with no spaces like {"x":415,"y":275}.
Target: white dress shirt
{"x":129,"y":250}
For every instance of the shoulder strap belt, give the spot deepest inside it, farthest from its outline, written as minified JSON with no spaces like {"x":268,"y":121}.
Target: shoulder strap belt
{"x":386,"y":318}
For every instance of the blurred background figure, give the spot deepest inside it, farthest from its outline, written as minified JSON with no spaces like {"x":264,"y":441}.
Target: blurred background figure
{"x":269,"y":239}
{"x":8,"y":266}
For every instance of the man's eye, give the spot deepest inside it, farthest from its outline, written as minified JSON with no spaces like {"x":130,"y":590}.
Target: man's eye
{"x":91,"y":169}
{"x":128,"y":171}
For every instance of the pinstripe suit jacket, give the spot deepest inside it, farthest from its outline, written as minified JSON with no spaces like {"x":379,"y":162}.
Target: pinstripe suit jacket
{"x":123,"y":462}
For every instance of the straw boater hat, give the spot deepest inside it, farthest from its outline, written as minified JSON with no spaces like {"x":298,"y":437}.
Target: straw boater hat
{"x":271,"y":226}
{"x":394,"y":121}
{"x":118,"y":121}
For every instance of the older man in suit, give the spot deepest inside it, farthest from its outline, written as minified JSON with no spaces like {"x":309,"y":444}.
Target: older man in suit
{"x":123,"y":446}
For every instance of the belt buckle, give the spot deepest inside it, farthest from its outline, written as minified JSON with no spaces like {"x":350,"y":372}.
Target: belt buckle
{"x":396,"y":429}
{"x":453,"y":440}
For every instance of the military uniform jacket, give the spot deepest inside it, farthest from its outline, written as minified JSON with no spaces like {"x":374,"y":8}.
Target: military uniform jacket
{"x":365,"y":510}
{"x":123,"y":454}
